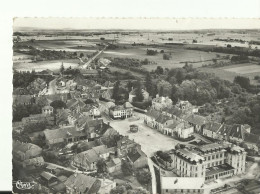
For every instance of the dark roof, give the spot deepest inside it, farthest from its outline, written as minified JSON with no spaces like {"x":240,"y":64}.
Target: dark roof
{"x":237,"y":131}
{"x":210,"y":147}
{"x":135,"y":155}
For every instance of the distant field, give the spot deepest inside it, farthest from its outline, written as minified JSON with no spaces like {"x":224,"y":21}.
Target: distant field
{"x":249,"y":70}
{"x":179,"y":56}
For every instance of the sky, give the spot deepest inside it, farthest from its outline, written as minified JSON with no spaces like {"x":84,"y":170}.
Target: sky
{"x":139,"y":24}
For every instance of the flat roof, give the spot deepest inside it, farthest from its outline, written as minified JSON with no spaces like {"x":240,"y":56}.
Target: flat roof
{"x":190,"y":155}
{"x":218,"y":169}
{"x":182,"y":182}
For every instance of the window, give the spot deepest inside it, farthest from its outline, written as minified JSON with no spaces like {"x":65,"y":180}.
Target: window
{"x":208,"y":157}
{"x":166,"y":190}
{"x":213,"y":157}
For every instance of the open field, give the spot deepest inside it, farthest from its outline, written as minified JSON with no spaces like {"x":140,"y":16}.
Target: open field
{"x":249,"y":70}
{"x":246,"y":69}
{"x":42,"y":65}
{"x":179,"y":56}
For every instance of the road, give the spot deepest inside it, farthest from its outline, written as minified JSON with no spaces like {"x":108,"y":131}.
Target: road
{"x":52,"y":89}
{"x":92,"y":59}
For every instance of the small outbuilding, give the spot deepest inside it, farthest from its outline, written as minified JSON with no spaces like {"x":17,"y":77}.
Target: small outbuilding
{"x":133,"y":128}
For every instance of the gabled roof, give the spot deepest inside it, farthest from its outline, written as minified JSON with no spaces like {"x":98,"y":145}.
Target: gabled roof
{"x":173,"y":110}
{"x":196,"y":119}
{"x":128,"y":105}
{"x":63,"y":132}
{"x":153,"y":113}
{"x":23,"y":147}
{"x":237,"y":131}
{"x":163,"y":118}
{"x":47,"y":175}
{"x":82,"y":183}
{"x":213,"y":126}
{"x":135,"y":155}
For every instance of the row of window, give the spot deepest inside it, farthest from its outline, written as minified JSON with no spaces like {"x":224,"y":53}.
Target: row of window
{"x":214,"y":156}
{"x":184,"y":190}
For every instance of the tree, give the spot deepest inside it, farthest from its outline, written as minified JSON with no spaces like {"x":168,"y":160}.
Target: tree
{"x":115,"y":94}
{"x":150,"y":87}
{"x":118,"y":190}
{"x":161,"y":91}
{"x":101,"y":166}
{"x":81,"y":55}
{"x":166,"y":56}
{"x":58,"y":104}
{"x":159,"y":70}
{"x":139,"y":93}
{"x":127,"y":168}
{"x":62,"y":68}
{"x":144,"y":176}
{"x":244,"y":82}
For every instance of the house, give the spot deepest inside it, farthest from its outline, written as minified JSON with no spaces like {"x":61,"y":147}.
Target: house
{"x":48,"y":178}
{"x":76,"y":104}
{"x":237,"y":133}
{"x":137,"y":158}
{"x":107,"y":95}
{"x":196,"y":121}
{"x":24,"y":151}
{"x":172,"y":185}
{"x":47,"y":110}
{"x":163,"y":122}
{"x":22,"y":99}
{"x":81,"y":183}
{"x":95,"y":128}
{"x":64,"y":134}
{"x":173,"y":112}
{"x":114,"y":165}
{"x":212,"y":130}
{"x":106,"y":186}
{"x":161,"y":102}
{"x":186,"y":106}
{"x":104,"y":108}
{"x":125,"y":145}
{"x":88,"y":159}
{"x":132,"y":95}
{"x":174,"y":127}
{"x":150,"y":117}
{"x":121,"y":111}
{"x":36,"y":118}
{"x":91,"y":110}
{"x":185,"y":130}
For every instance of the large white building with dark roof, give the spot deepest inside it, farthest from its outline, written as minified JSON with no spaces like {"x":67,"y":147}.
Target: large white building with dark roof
{"x":211,"y":161}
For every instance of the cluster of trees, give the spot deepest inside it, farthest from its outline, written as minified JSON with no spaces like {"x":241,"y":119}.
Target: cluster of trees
{"x":34,"y":127}
{"x":230,"y":50}
{"x":22,"y":79}
{"x":20,"y":111}
{"x":127,"y":168}
{"x":151,"y":52}
{"x":128,"y":62}
{"x":126,"y":188}
{"x":144,"y":176}
{"x":239,"y":59}
{"x":120,"y":95}
{"x":164,"y":156}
